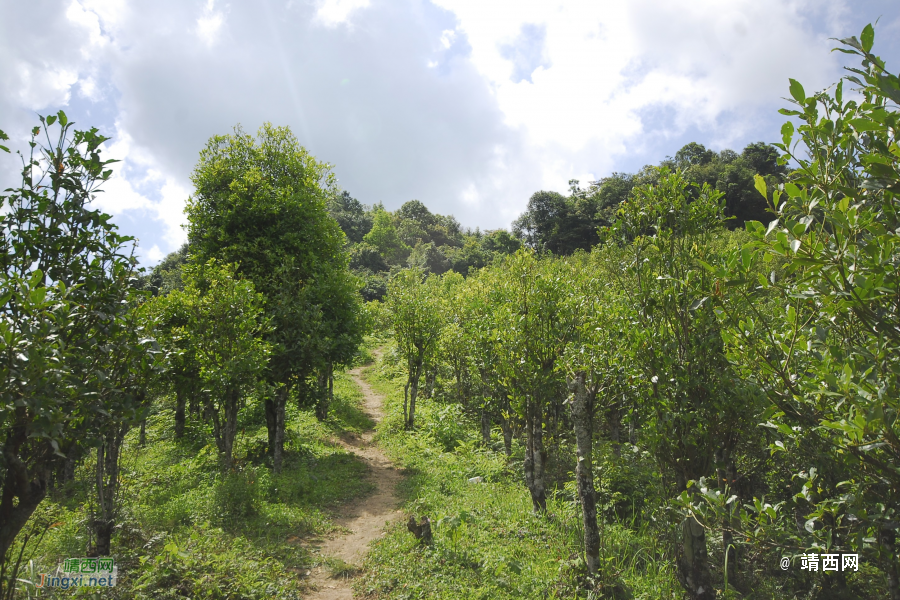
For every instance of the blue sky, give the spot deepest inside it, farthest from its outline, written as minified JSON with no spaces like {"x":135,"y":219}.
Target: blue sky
{"x":467,"y":105}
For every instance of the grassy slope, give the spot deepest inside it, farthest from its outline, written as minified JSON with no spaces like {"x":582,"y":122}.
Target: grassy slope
{"x":488,"y":543}
{"x":190,"y":531}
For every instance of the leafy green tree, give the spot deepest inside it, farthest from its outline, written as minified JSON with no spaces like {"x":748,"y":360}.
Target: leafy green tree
{"x":384,"y":236}
{"x":66,"y":336}
{"x":351,"y":216}
{"x":695,"y":407}
{"x":533,"y":325}
{"x":166,"y":276}
{"x":416,"y":317}
{"x":829,"y":360}
{"x":223,"y":327}
{"x":596,"y":375}
{"x":427,"y":257}
{"x":341,"y":322}
{"x":260,"y":203}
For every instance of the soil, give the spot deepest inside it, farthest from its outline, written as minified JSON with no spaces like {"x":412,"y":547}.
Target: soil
{"x":365,"y":518}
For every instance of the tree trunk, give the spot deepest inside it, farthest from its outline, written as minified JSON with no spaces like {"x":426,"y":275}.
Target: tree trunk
{"x":406,"y":402}
{"x":270,"y":409}
{"x":485,"y":426}
{"x":107,"y":489}
{"x":29,"y":488}
{"x":725,"y":473}
{"x":330,"y":383}
{"x":693,"y":562}
{"x":142,"y":436}
{"x":413,"y":392}
{"x":615,"y":429}
{"x":534,"y":456}
{"x":180,"y":402}
{"x":278,"y":450}
{"x":506,"y":426}
{"x":888,"y":541}
{"x":322,"y":399}
{"x":582,"y":412}
{"x":229,"y":431}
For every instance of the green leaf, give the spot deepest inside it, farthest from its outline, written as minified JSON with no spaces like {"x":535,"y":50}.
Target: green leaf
{"x":787,"y":132}
{"x":63,"y":120}
{"x":866,"y":125}
{"x":867,"y":37}
{"x":797,"y":91}
{"x":760,"y":184}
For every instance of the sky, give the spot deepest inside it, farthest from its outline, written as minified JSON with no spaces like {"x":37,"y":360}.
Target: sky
{"x":470,"y":106}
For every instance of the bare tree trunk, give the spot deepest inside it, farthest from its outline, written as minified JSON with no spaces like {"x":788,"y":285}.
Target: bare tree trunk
{"x":406,"y":402}
{"x":615,"y":428}
{"x":534,"y":456}
{"x":104,"y":522}
{"x":22,"y":491}
{"x":229,"y":431}
{"x":270,"y":405}
{"x":278,"y":450}
{"x":693,"y":562}
{"x":322,"y":399}
{"x":485,"y":426}
{"x":330,"y":383}
{"x":142,"y":436}
{"x":413,"y":392}
{"x":582,"y":413}
{"x":888,"y":541}
{"x":725,"y":473}
{"x":180,"y":402}
{"x":506,"y":426}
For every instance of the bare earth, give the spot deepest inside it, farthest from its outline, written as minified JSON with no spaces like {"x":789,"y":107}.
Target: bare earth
{"x":366,"y":517}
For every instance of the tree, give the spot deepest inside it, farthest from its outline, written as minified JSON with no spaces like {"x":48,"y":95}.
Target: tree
{"x":416,"y":318}
{"x":260,"y":203}
{"x":532,"y":327}
{"x":351,"y":216}
{"x":695,"y":407}
{"x":66,"y":292}
{"x":384,"y":236}
{"x":217,"y":331}
{"x":829,"y":360}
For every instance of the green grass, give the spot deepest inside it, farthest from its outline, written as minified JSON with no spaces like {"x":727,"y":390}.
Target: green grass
{"x":188,"y":530}
{"x":487,"y":541}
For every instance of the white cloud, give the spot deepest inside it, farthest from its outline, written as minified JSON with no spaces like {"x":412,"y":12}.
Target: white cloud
{"x":469,"y":106}
{"x":448,"y":36}
{"x":210,"y":24}
{"x":334,"y":12}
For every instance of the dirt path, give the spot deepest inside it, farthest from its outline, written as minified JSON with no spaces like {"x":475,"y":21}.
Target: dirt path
{"x":366,"y":517}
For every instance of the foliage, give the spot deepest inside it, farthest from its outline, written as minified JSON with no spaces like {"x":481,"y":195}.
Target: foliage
{"x":74,"y":360}
{"x":828,"y":357}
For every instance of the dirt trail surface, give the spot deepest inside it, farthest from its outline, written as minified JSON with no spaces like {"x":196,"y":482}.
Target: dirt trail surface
{"x":365,"y":517}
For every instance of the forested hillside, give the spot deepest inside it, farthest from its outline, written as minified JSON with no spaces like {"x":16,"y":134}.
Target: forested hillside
{"x":678,"y":383}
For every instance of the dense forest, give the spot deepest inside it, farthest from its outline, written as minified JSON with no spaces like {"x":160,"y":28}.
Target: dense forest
{"x":676,"y":383}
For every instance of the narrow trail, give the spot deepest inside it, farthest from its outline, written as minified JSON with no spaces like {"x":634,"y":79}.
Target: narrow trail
{"x":365,"y":517}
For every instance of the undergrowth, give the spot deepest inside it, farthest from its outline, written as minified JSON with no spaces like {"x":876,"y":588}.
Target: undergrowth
{"x":487,"y":541}
{"x":189,"y":530}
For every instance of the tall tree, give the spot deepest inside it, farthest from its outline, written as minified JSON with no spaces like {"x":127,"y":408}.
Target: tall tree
{"x":260,"y":203}
{"x":416,"y":317}
{"x":829,"y":359}
{"x":693,"y":405}
{"x":66,"y":293}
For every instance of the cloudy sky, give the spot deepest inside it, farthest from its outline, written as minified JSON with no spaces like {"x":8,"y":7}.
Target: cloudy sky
{"x":467,"y":105}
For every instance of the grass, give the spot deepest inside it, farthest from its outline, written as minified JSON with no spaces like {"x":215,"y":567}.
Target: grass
{"x":188,"y":530}
{"x":487,"y":541}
